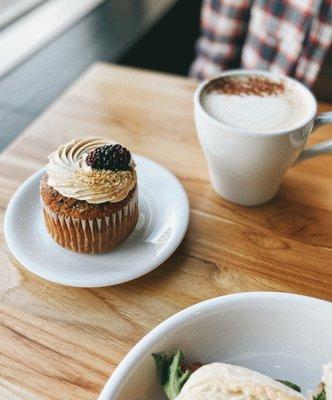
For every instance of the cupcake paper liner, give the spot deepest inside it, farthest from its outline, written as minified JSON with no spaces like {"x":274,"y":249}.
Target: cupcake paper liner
{"x":92,"y":235}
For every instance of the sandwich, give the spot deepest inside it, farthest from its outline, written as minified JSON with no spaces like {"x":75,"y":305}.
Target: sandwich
{"x":221,"y":381}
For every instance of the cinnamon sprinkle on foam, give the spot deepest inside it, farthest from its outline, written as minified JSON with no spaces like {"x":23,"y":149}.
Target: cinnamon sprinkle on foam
{"x":246,"y":86}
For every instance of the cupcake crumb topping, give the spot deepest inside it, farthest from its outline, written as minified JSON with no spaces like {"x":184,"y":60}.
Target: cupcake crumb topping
{"x":97,"y":180}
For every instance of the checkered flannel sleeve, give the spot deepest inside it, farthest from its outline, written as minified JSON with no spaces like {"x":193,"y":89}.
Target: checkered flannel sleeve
{"x":285,"y":36}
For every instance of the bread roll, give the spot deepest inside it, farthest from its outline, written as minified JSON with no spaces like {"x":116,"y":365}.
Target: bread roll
{"x":220,"y":381}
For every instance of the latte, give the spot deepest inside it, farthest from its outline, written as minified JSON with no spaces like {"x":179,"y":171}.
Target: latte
{"x":256,"y":102}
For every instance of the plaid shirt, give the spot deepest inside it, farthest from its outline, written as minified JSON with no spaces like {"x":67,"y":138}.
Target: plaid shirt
{"x":285,"y":36}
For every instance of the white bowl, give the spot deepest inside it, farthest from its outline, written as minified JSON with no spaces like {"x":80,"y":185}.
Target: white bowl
{"x":282,"y":335}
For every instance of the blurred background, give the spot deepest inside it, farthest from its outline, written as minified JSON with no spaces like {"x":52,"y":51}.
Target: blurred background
{"x":46,"y":44}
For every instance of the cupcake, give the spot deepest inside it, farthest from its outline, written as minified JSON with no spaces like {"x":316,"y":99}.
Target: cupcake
{"x":89,"y":195}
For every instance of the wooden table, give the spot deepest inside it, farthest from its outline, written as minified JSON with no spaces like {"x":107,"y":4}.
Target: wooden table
{"x":62,"y":343}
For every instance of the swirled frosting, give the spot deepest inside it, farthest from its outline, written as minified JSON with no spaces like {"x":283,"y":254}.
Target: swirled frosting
{"x":69,"y":174}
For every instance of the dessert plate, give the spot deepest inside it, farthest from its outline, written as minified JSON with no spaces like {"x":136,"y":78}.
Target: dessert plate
{"x":162,"y":224}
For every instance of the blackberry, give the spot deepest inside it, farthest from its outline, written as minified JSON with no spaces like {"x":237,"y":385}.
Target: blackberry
{"x":110,"y":157}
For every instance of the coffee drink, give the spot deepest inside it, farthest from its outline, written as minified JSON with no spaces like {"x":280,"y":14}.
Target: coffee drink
{"x":256,"y":102}
{"x":253,"y":126}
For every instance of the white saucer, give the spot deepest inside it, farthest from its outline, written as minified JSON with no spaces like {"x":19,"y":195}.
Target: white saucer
{"x":162,"y":224}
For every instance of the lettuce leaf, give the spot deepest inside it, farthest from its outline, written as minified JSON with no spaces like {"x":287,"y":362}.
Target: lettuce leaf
{"x":321,"y":395}
{"x":170,"y":373}
{"x":291,"y":385}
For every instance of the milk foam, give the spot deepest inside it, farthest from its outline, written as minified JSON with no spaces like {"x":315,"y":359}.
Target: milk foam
{"x":266,"y":113}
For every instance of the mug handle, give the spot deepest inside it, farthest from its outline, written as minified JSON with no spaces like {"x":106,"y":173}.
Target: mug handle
{"x":319,"y":148}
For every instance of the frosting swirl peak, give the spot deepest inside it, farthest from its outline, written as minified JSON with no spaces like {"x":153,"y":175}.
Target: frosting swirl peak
{"x":69,"y":174}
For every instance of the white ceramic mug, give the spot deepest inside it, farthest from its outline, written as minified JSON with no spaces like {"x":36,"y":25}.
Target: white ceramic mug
{"x":247,"y":167}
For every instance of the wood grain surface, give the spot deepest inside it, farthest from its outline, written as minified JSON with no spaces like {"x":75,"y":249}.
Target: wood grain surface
{"x":62,"y":343}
